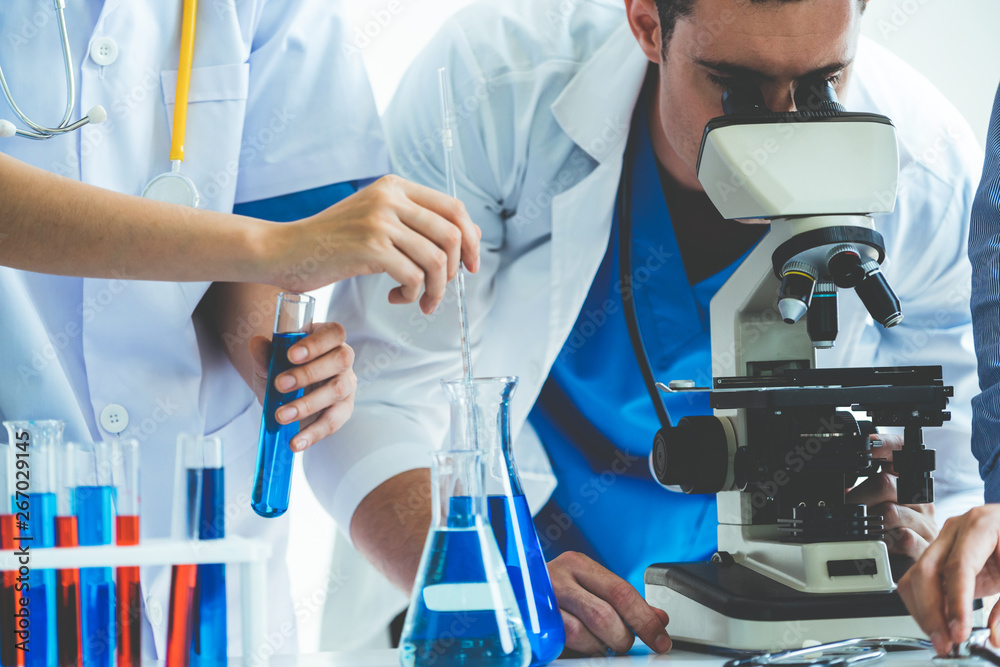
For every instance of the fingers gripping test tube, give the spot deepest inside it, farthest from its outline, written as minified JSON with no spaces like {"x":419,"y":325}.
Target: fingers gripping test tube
{"x":273,"y":475}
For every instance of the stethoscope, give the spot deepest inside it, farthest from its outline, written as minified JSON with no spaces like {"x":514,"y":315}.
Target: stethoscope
{"x":39,"y":132}
{"x":172,"y":187}
{"x":625,"y":270}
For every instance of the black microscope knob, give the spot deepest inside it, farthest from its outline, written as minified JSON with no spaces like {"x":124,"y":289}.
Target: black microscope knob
{"x":694,"y":455}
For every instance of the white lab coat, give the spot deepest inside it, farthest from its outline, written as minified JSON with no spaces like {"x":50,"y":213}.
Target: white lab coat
{"x":544,"y":93}
{"x":275,"y":107}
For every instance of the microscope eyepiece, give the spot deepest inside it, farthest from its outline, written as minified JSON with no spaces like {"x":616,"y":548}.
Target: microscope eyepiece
{"x":817,"y":95}
{"x":878,"y":297}
{"x":742,"y":97}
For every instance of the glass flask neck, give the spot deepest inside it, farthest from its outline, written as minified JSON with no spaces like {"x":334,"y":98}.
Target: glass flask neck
{"x":480,"y":419}
{"x":457,"y":489}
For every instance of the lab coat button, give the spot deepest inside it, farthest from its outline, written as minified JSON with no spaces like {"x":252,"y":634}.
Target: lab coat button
{"x":114,"y":418}
{"x":104,"y":51}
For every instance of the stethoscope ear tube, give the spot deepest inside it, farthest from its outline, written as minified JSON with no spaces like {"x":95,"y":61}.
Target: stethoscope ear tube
{"x":625,"y":274}
{"x":39,"y":132}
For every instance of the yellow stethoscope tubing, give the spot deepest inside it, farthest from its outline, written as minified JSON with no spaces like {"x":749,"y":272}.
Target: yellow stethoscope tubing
{"x":188,"y":22}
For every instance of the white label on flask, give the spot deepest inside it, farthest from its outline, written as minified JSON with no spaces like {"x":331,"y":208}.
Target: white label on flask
{"x":459,"y":597}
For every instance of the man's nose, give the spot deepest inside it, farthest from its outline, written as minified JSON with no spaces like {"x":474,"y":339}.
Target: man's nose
{"x":779,"y":97}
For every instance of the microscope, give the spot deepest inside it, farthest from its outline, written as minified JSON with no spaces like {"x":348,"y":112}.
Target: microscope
{"x":797,"y":564}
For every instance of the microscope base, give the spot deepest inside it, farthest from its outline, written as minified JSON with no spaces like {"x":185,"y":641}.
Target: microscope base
{"x":727,"y":605}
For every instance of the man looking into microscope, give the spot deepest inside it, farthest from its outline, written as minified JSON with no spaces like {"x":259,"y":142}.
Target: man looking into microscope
{"x":549,"y":94}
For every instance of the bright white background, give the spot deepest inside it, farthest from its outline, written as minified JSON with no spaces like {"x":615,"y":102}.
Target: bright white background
{"x":955,"y":43}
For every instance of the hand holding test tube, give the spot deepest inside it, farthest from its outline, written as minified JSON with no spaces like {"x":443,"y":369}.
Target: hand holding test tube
{"x":273,"y":474}
{"x":321,"y":367}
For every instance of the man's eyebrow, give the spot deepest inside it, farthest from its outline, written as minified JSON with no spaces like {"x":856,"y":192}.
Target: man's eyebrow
{"x":732,"y":69}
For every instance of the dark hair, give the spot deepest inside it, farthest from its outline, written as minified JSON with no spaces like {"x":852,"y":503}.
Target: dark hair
{"x":671,"y":10}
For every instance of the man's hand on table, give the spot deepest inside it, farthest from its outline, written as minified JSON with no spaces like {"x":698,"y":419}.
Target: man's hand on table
{"x":602,"y":611}
{"x":909,"y":529}
{"x":962,"y":564}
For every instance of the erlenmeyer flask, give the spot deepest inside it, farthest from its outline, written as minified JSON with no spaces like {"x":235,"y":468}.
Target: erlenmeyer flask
{"x":463,"y":612}
{"x":480,"y":418}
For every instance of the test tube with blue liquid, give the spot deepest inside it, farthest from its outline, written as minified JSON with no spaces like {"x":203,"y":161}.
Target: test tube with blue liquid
{"x":32,"y":459}
{"x":183,"y":578}
{"x":208,"y":644}
{"x":94,"y":501}
{"x":273,"y":475}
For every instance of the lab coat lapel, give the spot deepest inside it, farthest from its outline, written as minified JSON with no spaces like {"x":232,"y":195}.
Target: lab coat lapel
{"x":32,"y":369}
{"x":594,"y":110}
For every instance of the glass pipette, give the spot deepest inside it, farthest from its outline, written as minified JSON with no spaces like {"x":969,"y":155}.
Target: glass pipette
{"x":448,"y":140}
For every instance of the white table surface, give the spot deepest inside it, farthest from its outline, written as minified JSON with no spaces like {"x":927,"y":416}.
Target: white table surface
{"x":387,"y":658}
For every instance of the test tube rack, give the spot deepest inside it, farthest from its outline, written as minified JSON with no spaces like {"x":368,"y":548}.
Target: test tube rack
{"x":250,"y":555}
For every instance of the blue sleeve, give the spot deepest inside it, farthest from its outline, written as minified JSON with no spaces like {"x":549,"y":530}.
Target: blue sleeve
{"x":297,"y":205}
{"x":984,"y":252}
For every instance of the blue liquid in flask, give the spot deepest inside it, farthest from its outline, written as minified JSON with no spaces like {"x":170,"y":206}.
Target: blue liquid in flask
{"x":527,"y":571}
{"x":97,"y":584}
{"x":457,"y":622}
{"x":273,"y":475}
{"x":41,"y":528}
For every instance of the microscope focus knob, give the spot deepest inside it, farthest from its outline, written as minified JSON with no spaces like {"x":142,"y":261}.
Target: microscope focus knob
{"x":694,"y":455}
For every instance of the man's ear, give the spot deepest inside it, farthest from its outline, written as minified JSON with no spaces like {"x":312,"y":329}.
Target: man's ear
{"x":644,"y":19}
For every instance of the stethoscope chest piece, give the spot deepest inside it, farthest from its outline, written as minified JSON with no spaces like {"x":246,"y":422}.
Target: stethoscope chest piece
{"x":172,"y":187}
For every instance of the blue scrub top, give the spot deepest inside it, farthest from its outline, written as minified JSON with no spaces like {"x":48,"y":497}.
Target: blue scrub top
{"x":595,"y":401}
{"x":297,"y":205}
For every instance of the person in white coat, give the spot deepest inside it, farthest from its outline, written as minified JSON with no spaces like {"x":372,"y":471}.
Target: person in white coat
{"x":281,"y":124}
{"x":547,"y":94}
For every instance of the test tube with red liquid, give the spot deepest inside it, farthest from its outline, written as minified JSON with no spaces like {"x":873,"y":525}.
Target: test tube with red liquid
{"x":125,"y":455}
{"x":183,"y":578}
{"x":9,"y":655}
{"x":68,"y":468}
